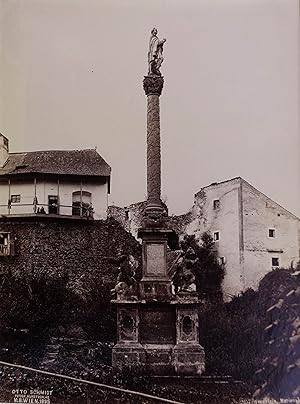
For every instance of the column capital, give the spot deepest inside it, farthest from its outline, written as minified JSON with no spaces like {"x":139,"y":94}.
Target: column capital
{"x":153,"y":85}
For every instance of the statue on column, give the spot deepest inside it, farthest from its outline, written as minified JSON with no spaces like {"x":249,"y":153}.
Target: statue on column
{"x":155,"y":57}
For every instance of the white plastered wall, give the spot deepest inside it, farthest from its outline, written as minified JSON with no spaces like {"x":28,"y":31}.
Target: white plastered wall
{"x":3,"y":198}
{"x":226,"y":220}
{"x":44,"y":188}
{"x":259,"y":215}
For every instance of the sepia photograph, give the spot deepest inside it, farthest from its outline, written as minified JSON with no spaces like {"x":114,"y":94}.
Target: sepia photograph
{"x":150,"y":201}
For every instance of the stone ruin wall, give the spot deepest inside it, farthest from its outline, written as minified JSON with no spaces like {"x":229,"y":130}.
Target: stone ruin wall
{"x":131,"y":218}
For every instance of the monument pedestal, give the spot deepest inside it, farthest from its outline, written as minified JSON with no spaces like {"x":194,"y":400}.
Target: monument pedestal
{"x":159,"y":337}
{"x":188,"y":354}
{"x":126,"y":354}
{"x":188,"y":360}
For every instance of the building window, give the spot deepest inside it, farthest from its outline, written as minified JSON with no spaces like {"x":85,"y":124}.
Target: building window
{"x":272,"y":233}
{"x":53,"y":204}
{"x":4,"y":244}
{"x":216,"y":204}
{"x":82,"y":204}
{"x":15,"y":198}
{"x":275,"y":262}
{"x":216,"y":236}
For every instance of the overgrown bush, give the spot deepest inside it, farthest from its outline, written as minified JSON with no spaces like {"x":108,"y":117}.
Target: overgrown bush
{"x":208,"y":271}
{"x":34,"y":301}
{"x":279,"y":298}
{"x":98,"y":315}
{"x":231,"y":334}
{"x":35,"y":306}
{"x":132,"y":378}
{"x":256,"y":336}
{"x":29,"y":307}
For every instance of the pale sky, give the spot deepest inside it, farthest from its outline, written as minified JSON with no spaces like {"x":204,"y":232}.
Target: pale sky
{"x":71,"y":76}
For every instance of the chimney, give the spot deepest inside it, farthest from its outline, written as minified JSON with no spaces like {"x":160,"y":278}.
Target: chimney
{"x":3,"y":150}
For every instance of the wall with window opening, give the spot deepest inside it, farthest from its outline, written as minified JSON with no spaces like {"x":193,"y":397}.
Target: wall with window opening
{"x":54,"y":197}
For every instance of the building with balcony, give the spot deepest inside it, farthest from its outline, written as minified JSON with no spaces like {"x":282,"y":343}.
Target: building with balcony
{"x":57,"y":183}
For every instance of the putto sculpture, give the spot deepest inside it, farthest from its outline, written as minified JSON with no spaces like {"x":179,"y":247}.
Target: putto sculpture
{"x":126,"y":281}
{"x":184,"y":277}
{"x":155,"y":57}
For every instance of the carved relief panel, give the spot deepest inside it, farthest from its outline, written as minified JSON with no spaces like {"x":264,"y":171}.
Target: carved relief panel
{"x":128,"y":324}
{"x":187,"y":325}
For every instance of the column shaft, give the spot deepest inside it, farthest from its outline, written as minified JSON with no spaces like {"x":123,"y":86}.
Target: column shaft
{"x":153,"y":151}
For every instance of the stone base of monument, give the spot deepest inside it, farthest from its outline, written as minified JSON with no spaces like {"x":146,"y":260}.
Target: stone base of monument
{"x":128,"y":354}
{"x":159,"y":337}
{"x":158,"y":332}
{"x":188,"y":360}
{"x":159,"y":359}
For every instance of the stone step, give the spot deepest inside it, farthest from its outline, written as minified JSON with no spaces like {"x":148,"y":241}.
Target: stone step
{"x":53,"y":347}
{"x":48,"y":361}
{"x":52,"y":354}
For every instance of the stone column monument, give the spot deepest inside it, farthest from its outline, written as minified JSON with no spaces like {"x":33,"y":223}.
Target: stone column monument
{"x":157,"y":329}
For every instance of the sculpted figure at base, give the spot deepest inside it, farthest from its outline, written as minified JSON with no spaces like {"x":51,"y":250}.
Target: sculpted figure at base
{"x":155,"y":57}
{"x":184,"y":278}
{"x":126,"y":282}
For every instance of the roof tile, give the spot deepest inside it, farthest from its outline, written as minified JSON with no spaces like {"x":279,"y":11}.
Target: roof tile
{"x":68,"y":162}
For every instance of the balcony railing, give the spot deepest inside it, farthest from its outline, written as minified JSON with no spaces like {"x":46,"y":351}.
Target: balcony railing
{"x":78,"y":210}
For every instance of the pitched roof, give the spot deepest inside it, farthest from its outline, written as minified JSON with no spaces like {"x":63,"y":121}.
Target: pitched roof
{"x":68,"y":162}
